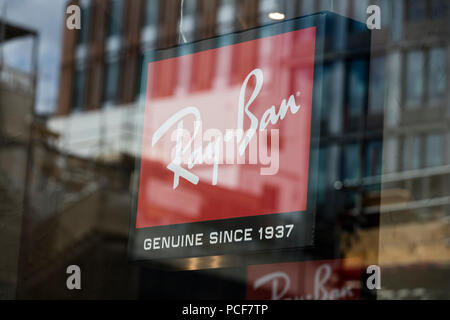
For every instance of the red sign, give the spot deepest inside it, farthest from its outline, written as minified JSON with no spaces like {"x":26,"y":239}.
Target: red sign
{"x":310,"y":280}
{"x":228,"y":137}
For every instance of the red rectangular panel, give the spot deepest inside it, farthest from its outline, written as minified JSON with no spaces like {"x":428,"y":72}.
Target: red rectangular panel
{"x":271,"y":93}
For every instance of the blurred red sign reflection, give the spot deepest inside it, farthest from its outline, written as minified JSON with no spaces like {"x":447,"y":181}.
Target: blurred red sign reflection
{"x":227,"y":132}
{"x":309,"y":280}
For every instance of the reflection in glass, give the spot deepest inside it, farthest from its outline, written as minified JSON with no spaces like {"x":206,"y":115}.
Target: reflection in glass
{"x":434,"y":147}
{"x":437,"y":74}
{"x":377,"y":84}
{"x":373,"y":158}
{"x":357,"y":86}
{"x":111,"y":81}
{"x":397,"y":20}
{"x":225,"y":16}
{"x":412,"y":153}
{"x":416,"y":10}
{"x":83,"y":35}
{"x":439,"y":8}
{"x":115,"y":19}
{"x":78,"y":90}
{"x":151,"y":12}
{"x":351,"y":161}
{"x":414,"y":78}
{"x":386,"y":9}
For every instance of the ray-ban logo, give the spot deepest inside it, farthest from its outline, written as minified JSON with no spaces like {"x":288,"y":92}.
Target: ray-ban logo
{"x":231,"y":146}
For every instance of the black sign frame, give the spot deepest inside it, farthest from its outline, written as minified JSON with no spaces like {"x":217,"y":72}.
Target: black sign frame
{"x":232,"y":254}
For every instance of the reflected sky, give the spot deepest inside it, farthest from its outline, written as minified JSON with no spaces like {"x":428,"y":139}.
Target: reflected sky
{"x":46,"y":17}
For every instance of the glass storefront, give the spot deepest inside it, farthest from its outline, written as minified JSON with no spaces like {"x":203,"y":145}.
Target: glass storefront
{"x":224,"y":149}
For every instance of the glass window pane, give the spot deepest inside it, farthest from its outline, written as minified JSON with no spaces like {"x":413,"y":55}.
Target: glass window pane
{"x":437,"y":76}
{"x":434,"y":147}
{"x":397,"y":19}
{"x":83,"y":35}
{"x":414,"y":77}
{"x":439,"y":8}
{"x":415,"y":153}
{"x":386,"y":9}
{"x":351,"y":161}
{"x":366,"y":153}
{"x":411,"y":153}
{"x":111,"y":82}
{"x":416,"y":9}
{"x":373,"y":158}
{"x":78,"y":90}
{"x":377,"y":84}
{"x":151,"y":12}
{"x":115,"y":19}
{"x":225,"y":16}
{"x":189,"y":7}
{"x":357,"y":86}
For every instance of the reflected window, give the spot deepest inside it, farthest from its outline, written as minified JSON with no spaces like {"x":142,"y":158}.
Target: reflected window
{"x":83,"y":33}
{"x":373,"y":158}
{"x":378,"y":78}
{"x":414,"y":77}
{"x":386,"y":9}
{"x":416,"y":153}
{"x":351,"y":161}
{"x":78,"y":90}
{"x":189,"y":7}
{"x":439,"y":8}
{"x":416,"y":10}
{"x":397,"y":19}
{"x":225,"y":16}
{"x":111,"y":81}
{"x":151,"y":12}
{"x":357,"y":86}
{"x":115,"y":18}
{"x":412,"y":153}
{"x":433,"y":150}
{"x":437,"y":74}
